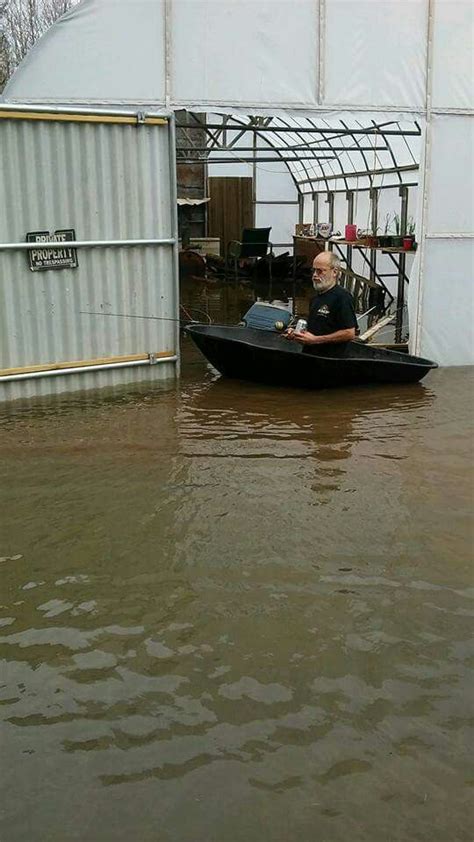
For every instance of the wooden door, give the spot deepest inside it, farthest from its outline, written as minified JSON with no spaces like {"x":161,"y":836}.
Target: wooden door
{"x":230,"y":209}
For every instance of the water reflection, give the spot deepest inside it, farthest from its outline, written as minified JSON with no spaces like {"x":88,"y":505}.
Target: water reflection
{"x":276,"y":457}
{"x":237,"y":409}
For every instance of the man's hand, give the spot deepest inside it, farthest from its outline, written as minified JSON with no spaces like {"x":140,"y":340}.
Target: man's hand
{"x":307,"y":338}
{"x":304,"y":338}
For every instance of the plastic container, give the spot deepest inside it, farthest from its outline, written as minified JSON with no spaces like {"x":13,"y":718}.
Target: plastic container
{"x":324,"y":229}
{"x":301,"y":325}
{"x":351,"y":233}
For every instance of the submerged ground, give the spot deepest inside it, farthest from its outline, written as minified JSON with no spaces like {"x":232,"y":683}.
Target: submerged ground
{"x":231,"y":612}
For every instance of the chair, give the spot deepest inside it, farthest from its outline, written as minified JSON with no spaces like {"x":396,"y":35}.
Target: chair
{"x":255,"y":243}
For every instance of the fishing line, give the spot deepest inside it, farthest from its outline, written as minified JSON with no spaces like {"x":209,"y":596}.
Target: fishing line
{"x":150,"y":318}
{"x":128,"y":316}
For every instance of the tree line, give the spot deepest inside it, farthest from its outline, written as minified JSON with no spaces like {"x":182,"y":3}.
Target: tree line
{"x":22,"y":22}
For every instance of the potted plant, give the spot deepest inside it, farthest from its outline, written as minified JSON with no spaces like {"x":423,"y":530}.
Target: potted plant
{"x":409,"y":238}
{"x":385,"y":238}
{"x":372,"y":239}
{"x":397,"y":240}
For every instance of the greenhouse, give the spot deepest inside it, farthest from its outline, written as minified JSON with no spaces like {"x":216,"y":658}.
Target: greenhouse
{"x":349,"y":121}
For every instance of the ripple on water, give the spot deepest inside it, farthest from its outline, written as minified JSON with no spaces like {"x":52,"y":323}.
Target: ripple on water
{"x":248,"y":687}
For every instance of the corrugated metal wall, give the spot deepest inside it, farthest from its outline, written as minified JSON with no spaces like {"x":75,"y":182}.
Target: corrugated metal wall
{"x":107,"y":181}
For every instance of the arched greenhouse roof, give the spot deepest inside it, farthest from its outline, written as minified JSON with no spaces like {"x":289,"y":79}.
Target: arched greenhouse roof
{"x":257,"y":55}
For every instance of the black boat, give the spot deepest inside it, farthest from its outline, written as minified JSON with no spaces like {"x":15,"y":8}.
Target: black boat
{"x":263,"y":355}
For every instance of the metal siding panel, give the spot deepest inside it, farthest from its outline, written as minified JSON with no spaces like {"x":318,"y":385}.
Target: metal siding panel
{"x":113,"y":180}
{"x":107,"y":182}
{"x":46,"y":314}
{"x":114,"y":378}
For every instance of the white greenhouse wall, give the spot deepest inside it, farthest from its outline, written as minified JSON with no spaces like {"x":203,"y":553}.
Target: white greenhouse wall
{"x":451,"y":189}
{"x":265,"y":32}
{"x":282,"y":221}
{"x":97,"y":55}
{"x":259,"y":53}
{"x":375,"y":53}
{"x":108,"y":182}
{"x":449,"y":280}
{"x":453,"y":41}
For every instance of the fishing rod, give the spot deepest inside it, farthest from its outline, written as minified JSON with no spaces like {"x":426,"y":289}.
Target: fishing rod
{"x":149,"y":318}
{"x":190,"y":319}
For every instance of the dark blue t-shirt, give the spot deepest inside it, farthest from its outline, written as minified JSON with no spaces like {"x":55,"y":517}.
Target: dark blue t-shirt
{"x":330,"y":311}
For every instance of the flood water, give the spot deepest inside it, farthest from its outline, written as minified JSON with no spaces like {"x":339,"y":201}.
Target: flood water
{"x":235,"y":613}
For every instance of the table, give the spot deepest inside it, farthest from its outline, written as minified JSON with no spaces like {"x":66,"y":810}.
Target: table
{"x":307,"y":247}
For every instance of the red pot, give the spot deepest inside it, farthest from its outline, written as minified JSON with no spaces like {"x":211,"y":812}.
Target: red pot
{"x":408,"y":243}
{"x":351,"y":232}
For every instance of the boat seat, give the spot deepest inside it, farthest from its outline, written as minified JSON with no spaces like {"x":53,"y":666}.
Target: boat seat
{"x":264,"y":316}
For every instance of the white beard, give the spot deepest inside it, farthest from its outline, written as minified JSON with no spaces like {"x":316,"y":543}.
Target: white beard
{"x":323,"y":285}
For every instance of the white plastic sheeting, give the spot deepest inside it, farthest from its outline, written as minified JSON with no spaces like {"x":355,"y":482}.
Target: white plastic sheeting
{"x":216,"y":43}
{"x":386,"y":59}
{"x":452,"y":65}
{"x":451,"y":188}
{"x":100,"y":51}
{"x":262,"y":53}
{"x":449,"y":292}
{"x":376,"y":52}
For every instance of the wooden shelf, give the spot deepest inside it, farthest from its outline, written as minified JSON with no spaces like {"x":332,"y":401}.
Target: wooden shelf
{"x":389,"y":250}
{"x":360,"y":243}
{"x":363,"y":245}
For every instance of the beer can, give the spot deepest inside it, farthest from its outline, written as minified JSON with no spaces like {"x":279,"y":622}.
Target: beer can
{"x":301,"y":325}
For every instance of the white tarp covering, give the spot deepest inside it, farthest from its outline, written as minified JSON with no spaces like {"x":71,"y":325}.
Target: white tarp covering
{"x":453,"y":62}
{"x":100,"y":51}
{"x":376,"y":52}
{"x":451,"y":188}
{"x":262,"y":53}
{"x":397,"y":59}
{"x":447,"y":327}
{"x":216,"y":43}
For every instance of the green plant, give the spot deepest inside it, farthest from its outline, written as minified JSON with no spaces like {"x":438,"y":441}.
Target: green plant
{"x":397,"y":223}
{"x":388,"y":219}
{"x":411,"y":227}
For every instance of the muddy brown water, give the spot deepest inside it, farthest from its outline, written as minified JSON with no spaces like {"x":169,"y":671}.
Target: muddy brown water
{"x":231,"y":612}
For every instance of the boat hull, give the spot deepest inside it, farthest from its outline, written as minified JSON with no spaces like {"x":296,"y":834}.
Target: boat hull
{"x":267,"y":357}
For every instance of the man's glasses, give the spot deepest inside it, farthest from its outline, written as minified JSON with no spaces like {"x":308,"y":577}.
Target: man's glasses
{"x":317,"y":271}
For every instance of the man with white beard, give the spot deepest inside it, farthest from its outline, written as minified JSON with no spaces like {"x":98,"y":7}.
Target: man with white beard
{"x":331,"y":317}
